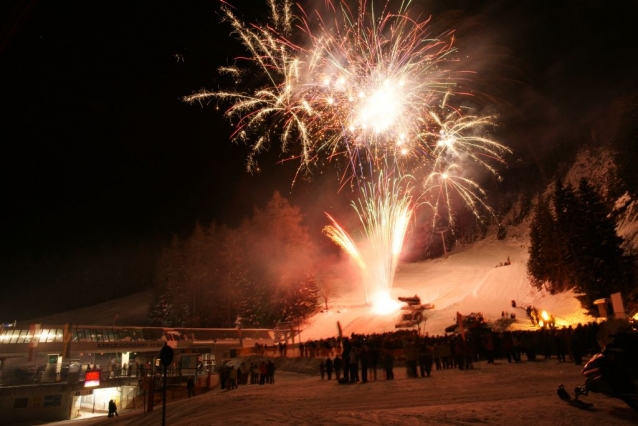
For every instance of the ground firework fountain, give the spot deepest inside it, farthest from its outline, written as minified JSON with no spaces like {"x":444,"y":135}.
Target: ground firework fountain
{"x":370,"y":90}
{"x":384,"y":211}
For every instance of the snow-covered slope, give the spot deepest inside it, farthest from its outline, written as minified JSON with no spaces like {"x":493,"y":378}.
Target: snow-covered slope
{"x":129,"y":310}
{"x":598,"y":166}
{"x":470,"y":279}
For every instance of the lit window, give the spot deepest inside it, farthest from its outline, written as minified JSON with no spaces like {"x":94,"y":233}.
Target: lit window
{"x":25,"y":336}
{"x":44,"y":334}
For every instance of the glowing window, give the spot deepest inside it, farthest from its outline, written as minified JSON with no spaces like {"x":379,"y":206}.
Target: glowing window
{"x":82,"y":335}
{"x":13,"y":335}
{"x":44,"y":334}
{"x":56,"y":335}
{"x":24,"y":337}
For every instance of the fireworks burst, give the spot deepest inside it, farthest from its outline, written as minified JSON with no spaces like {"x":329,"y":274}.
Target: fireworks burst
{"x":372,"y":91}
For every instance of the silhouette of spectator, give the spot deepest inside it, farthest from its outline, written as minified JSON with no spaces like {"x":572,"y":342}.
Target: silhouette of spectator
{"x":190,"y":387}
{"x":112,"y":409}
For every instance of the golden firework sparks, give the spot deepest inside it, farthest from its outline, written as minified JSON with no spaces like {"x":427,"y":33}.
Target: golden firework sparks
{"x":369,"y":88}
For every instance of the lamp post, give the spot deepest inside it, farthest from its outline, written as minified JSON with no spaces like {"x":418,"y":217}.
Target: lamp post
{"x":166,"y":357}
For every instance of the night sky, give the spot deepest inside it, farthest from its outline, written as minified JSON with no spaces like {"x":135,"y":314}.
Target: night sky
{"x":99,"y":150}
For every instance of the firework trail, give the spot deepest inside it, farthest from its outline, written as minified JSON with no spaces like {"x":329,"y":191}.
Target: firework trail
{"x":384,"y":211}
{"x":372,"y":91}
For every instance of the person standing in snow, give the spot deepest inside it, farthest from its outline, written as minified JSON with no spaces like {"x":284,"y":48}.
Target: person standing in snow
{"x":263,"y":371}
{"x":561,"y":345}
{"x":345,"y":357}
{"x":488,"y":345}
{"x":244,"y":371}
{"x":353,"y":364}
{"x":363,"y":358}
{"x":337,"y":366}
{"x":232,"y":378}
{"x":190,"y":387}
{"x":329,"y":368}
{"x":508,"y":345}
{"x":577,"y":344}
{"x":254,"y":373}
{"x":388,"y":366}
{"x":426,"y":357}
{"x":270,"y":372}
{"x":459,"y":351}
{"x":373,"y":353}
{"x":112,"y":409}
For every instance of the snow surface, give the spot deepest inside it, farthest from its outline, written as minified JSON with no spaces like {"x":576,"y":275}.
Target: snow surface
{"x":500,"y":394}
{"x":129,"y":310}
{"x":469,"y":280}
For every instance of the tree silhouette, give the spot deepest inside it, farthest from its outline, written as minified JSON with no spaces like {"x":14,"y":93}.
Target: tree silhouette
{"x":577,"y":247}
{"x":601,"y":266}
{"x":263,"y":272}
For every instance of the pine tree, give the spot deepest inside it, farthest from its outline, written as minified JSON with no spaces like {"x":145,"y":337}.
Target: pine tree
{"x":547,"y":266}
{"x":229,"y":269}
{"x":501,"y":233}
{"x":301,"y":301}
{"x":566,"y":236}
{"x":197,"y":251}
{"x":542,"y":251}
{"x":601,"y":268}
{"x":277,"y":251}
{"x":170,"y":305}
{"x":259,"y":272}
{"x":255,"y":305}
{"x":163,"y":311}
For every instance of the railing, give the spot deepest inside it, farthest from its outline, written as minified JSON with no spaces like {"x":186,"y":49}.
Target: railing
{"x":32,"y":376}
{"x":38,"y":333}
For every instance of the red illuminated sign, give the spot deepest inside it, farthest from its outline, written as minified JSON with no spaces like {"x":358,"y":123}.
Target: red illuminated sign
{"x":92,"y":378}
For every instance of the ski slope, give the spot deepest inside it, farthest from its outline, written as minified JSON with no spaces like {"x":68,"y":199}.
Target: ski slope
{"x":470,"y":279}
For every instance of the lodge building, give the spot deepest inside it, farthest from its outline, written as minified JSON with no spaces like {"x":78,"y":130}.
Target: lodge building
{"x":60,"y":372}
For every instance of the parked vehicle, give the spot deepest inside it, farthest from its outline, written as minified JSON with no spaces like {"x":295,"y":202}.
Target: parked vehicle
{"x":612,"y":372}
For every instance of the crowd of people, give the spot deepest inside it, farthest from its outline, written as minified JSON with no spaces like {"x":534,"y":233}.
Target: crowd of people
{"x":364,"y":357}
{"x":230,"y":377}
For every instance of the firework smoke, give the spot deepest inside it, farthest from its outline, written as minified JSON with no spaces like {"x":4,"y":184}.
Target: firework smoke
{"x":372,"y":91}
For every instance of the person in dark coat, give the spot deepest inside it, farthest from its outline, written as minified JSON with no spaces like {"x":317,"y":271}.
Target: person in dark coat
{"x":363,"y":358}
{"x":337,"y":366}
{"x":353,"y":365}
{"x":112,"y":409}
{"x":429,"y":357}
{"x":263,"y":372}
{"x":374,"y":362}
{"x":270,"y":377}
{"x":190,"y":387}
{"x":223,"y":377}
{"x":329,"y":368}
{"x":388,"y":366}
